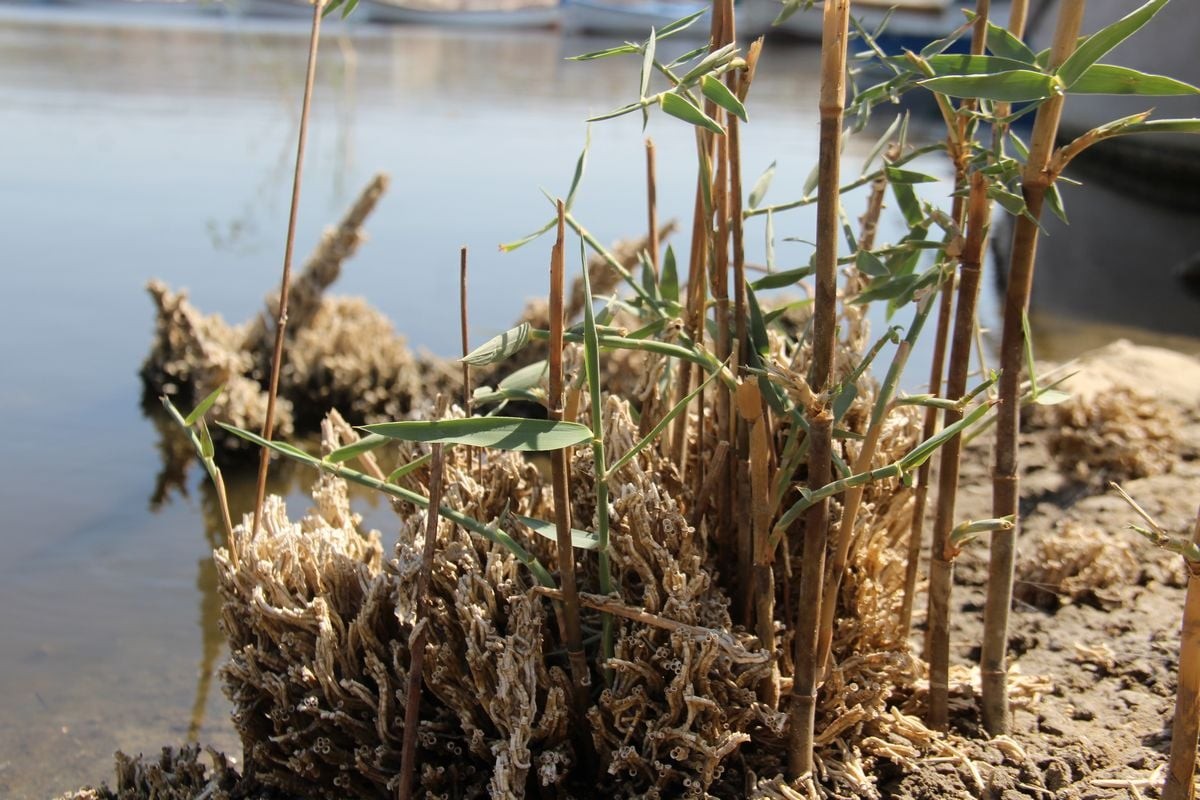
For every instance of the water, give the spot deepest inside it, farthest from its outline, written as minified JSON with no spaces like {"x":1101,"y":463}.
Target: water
{"x":138,"y":146}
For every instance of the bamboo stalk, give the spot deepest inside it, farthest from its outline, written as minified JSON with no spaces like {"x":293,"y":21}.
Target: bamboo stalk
{"x":1181,"y":769}
{"x":571,"y":624}
{"x":652,"y":206}
{"x":941,"y":564}
{"x":1005,"y":488}
{"x":760,"y":590}
{"x":832,"y":103}
{"x":268,"y":429}
{"x":462,"y":315}
{"x":412,"y":708}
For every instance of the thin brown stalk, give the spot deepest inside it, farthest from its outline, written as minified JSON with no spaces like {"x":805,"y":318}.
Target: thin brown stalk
{"x":465,"y":328}
{"x":1005,"y":488}
{"x":1181,"y":769}
{"x":412,"y":708}
{"x":808,"y":616}
{"x":268,"y":428}
{"x":571,"y":625}
{"x":652,"y":205}
{"x":761,"y":588}
{"x":719,"y":282}
{"x":941,"y":564}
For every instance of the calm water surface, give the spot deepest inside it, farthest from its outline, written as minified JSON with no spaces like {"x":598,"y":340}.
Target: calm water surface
{"x":138,"y":147}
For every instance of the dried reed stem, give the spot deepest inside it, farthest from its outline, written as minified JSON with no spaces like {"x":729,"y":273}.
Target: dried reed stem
{"x":412,"y":707}
{"x":465,"y":328}
{"x":808,"y":616}
{"x":571,"y":625}
{"x":268,"y":428}
{"x":1181,"y":769}
{"x":1005,"y":489}
{"x":761,"y":589}
{"x":652,"y":205}
{"x":941,"y":563}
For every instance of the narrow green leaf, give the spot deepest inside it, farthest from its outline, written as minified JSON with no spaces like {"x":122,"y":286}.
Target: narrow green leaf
{"x":1100,"y":43}
{"x":810,"y":182}
{"x":921,"y":453}
{"x":668,"y":283}
{"x":619,"y":50}
{"x":1002,"y":43}
{"x":910,"y":206}
{"x":350,"y":6}
{"x":1164,"y":126}
{"x":688,"y":56}
{"x":682,"y":108}
{"x":1013,"y":86}
{"x":769,"y":232}
{"x":1051,"y":397}
{"x":202,"y":409}
{"x":709,"y":63}
{"x":963,"y":64}
{"x":760,"y":186}
{"x":527,"y":377}
{"x":897,"y":175}
{"x":1111,"y":79}
{"x":791,"y":7}
{"x":207,"y":449}
{"x":880,"y":144}
{"x":364,"y":445}
{"x":616,"y":112}
{"x":527,"y":238}
{"x":647,"y":70}
{"x":758,"y":327}
{"x":778,"y":311}
{"x":583,"y":540}
{"x":681,"y":24}
{"x":1030,"y":363}
{"x":499,"y":347}
{"x":778,"y":280}
{"x":1012,"y":203}
{"x":714,"y":89}
{"x":580,"y":165}
{"x":412,"y":466}
{"x":1055,"y":201}
{"x":886,"y":288}
{"x":845,"y":398}
{"x":505,"y":433}
{"x":869,"y":264}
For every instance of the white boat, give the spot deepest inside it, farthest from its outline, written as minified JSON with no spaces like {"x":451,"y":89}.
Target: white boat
{"x":633,"y":20}
{"x":530,"y":16}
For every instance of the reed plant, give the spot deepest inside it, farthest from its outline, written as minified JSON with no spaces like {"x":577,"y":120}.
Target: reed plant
{"x":758,"y":433}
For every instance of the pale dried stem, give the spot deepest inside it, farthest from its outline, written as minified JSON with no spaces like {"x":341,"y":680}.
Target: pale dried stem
{"x":1185,"y":730}
{"x":268,"y":428}
{"x":1005,"y":489}
{"x":412,"y":708}
{"x":652,"y":206}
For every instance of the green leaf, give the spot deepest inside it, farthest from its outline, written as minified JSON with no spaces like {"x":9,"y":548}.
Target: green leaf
{"x":845,"y":398}
{"x":910,"y":206}
{"x":963,"y":64}
{"x":1055,"y":201}
{"x":1100,"y":43}
{"x":1012,"y":203}
{"x":760,"y":186}
{"x":619,"y":50}
{"x":349,"y":8}
{"x":505,"y":433}
{"x":681,"y":24}
{"x":709,"y":63}
{"x":810,"y":182}
{"x":499,"y":347}
{"x":869,"y":264}
{"x":647,"y":70}
{"x":769,"y":232}
{"x":1164,"y":126}
{"x":758,"y":327}
{"x":897,"y":175}
{"x":526,"y":378}
{"x":584,"y":540}
{"x":412,"y":466}
{"x":1002,"y":43}
{"x":364,"y":445}
{"x":1013,"y":86}
{"x":1111,"y":79}
{"x":202,"y":409}
{"x":886,"y":288}
{"x":616,"y":112}
{"x":778,"y":280}
{"x":791,"y":7}
{"x":714,"y":89}
{"x":580,"y":165}
{"x":682,"y":108}
{"x":688,"y":56}
{"x":527,"y":238}
{"x":1051,"y":397}
{"x":668,"y":282}
{"x":880,"y":144}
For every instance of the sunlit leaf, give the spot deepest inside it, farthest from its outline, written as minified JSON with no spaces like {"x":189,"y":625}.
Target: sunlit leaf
{"x":1100,"y":43}
{"x":682,"y":108}
{"x":964,"y":64}
{"x":412,"y":466}
{"x":1055,"y":201}
{"x":499,"y":347}
{"x":583,"y":540}
{"x":1051,"y":397}
{"x":680,"y":24}
{"x":1014,"y":86}
{"x":881,"y":143}
{"x":714,"y":89}
{"x":759,"y":191}
{"x":897,"y":175}
{"x":869,"y":264}
{"x":758,"y":327}
{"x":1002,"y":43}
{"x":619,"y":50}
{"x":668,"y":282}
{"x":1111,"y":79}
{"x":364,"y":445}
{"x":580,"y":165}
{"x":202,"y":409}
{"x":778,"y":280}
{"x":505,"y":433}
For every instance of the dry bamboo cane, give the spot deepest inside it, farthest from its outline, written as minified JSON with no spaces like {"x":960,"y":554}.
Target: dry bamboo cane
{"x":1181,"y":769}
{"x":268,"y":429}
{"x":462,"y":316}
{"x":808,"y":612}
{"x":1005,"y":489}
{"x":572,"y":628}
{"x":652,"y":206}
{"x":941,"y":558}
{"x":412,"y":708}
{"x":750,"y":405}
{"x":941,"y":563}
{"x":862,"y":463}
